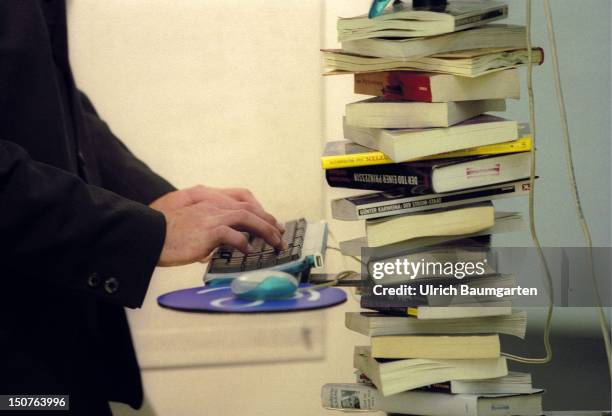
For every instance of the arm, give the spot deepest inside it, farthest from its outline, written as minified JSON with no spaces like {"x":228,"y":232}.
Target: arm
{"x":57,"y":229}
{"x":121,"y":171}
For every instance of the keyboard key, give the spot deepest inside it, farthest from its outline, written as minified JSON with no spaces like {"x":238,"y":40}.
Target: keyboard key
{"x":268,"y":261}
{"x":257,"y":245}
{"x":251,"y":263}
{"x":290,"y":228}
{"x":295,"y":253}
{"x":268,"y":249}
{"x":262,"y":255}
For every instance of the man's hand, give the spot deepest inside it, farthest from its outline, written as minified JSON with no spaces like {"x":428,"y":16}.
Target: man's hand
{"x":230,"y":198}
{"x":200,"y":219}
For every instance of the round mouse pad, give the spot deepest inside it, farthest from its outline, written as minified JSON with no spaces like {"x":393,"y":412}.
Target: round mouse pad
{"x":221,"y":299}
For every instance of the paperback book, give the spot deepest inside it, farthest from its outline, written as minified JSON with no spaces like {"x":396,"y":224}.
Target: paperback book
{"x":364,"y":397}
{"x":431,"y":87}
{"x":488,"y":36}
{"x":437,"y":176}
{"x":403,"y":20}
{"x":378,"y":112}
{"x":390,"y":203}
{"x":474,"y":63}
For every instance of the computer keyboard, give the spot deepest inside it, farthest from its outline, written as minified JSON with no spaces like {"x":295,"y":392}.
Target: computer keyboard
{"x":229,"y":260}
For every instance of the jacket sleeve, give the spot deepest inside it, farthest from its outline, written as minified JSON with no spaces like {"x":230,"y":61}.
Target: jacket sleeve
{"x":57,"y":230}
{"x":121,"y":171}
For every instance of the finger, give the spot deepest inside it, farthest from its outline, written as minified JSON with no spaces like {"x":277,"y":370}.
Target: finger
{"x":255,"y":209}
{"x":245,"y":196}
{"x":225,"y":198}
{"x":225,"y":202}
{"x":247,"y":221}
{"x":225,"y":235}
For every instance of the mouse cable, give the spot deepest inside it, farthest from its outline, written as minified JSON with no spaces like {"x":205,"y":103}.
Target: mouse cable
{"x":532,"y":228}
{"x":603,"y":323}
{"x":339,"y":276}
{"x":345,"y":274}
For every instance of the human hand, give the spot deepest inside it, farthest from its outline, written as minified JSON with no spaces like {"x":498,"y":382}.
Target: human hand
{"x":200,"y":219}
{"x":228,"y":198}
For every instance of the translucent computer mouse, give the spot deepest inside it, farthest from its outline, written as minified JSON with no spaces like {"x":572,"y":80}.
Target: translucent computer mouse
{"x":264,"y":284}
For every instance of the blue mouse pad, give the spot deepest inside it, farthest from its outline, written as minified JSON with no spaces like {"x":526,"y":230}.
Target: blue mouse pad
{"x":221,"y":299}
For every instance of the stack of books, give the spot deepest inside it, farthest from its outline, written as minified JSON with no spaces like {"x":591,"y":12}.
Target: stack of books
{"x":434,"y":367}
{"x":434,"y":161}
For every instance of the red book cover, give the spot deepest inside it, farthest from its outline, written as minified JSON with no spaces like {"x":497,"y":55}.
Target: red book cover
{"x":396,"y":85}
{"x":412,"y":86}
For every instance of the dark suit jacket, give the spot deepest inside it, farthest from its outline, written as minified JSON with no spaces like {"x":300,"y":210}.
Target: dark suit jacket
{"x":78,"y":242}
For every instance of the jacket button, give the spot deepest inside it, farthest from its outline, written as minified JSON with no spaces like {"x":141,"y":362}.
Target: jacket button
{"x":111,"y":285}
{"x":93,"y":280}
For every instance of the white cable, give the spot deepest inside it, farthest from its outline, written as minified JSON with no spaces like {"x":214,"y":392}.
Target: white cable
{"x":534,"y":236}
{"x":572,"y":175}
{"x":347,"y":273}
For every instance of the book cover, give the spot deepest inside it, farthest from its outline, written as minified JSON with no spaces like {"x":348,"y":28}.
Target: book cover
{"x":345,"y":154}
{"x":380,"y":113}
{"x":412,"y":178}
{"x":431,"y":87}
{"x":384,"y":204}
{"x":474,"y":136}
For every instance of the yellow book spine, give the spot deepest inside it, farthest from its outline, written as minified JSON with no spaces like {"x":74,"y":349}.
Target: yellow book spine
{"x":378,"y":158}
{"x":413,"y":311}
{"x":516,"y":146}
{"x":354,"y":160}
